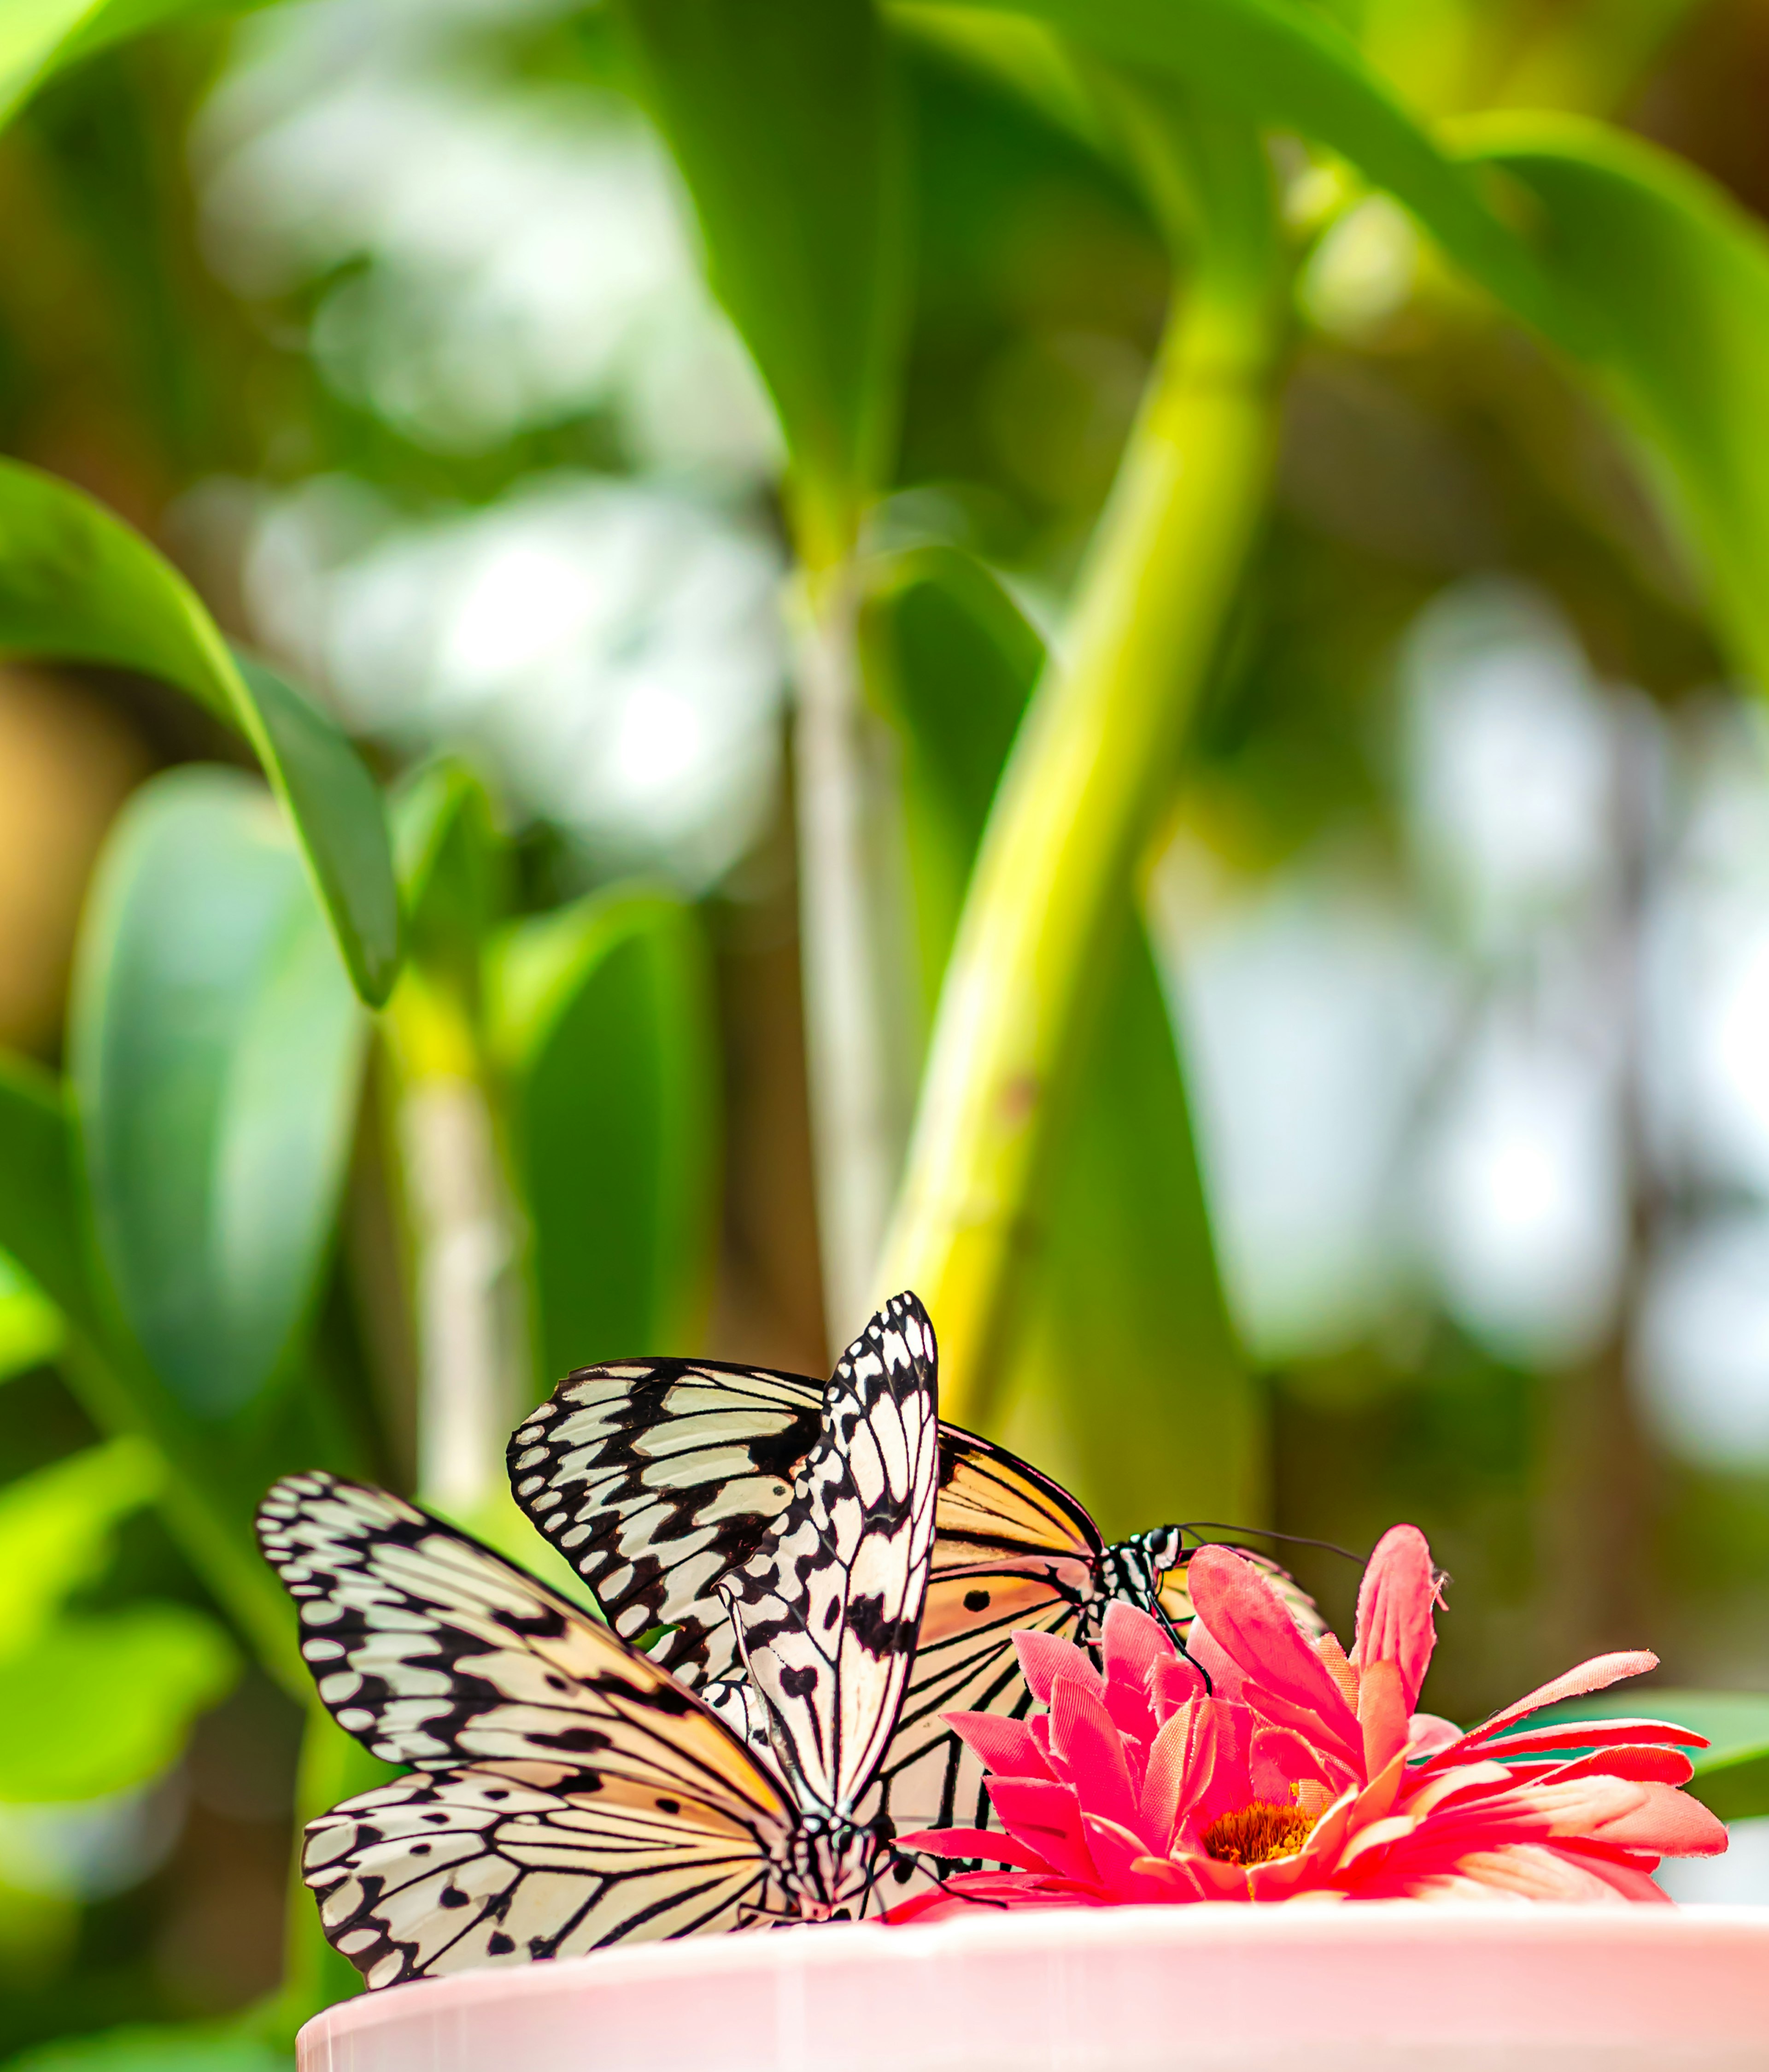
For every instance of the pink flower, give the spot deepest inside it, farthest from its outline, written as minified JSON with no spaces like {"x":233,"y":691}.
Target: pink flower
{"x":1298,"y":1771}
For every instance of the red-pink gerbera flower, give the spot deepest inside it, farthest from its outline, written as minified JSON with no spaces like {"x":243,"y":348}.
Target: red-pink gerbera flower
{"x":1298,"y":1771}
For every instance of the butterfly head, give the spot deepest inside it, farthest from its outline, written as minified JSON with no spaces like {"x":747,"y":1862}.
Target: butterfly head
{"x":834,"y":1864}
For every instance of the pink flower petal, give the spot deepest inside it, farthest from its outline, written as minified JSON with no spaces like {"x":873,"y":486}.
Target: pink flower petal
{"x":1394,"y":1604}
{"x":1279,"y":1758}
{"x":1247,"y":1618}
{"x":1043,"y":1657}
{"x":988,"y":1843}
{"x":1384,"y":1707}
{"x":1131,"y":1643}
{"x":1223,"y":1673}
{"x":1666,"y":1822}
{"x":1564,"y":1734}
{"x":1006,"y":1748}
{"x":1117,"y":1852}
{"x":1344,"y":1745}
{"x":1427,"y":1733}
{"x":1596,"y":1675}
{"x":1178,"y":1875}
{"x":1644,"y":1766}
{"x":1089,"y":1751}
{"x":1176,"y":1683}
{"x":1047,"y":1819}
{"x":1198,"y":1765}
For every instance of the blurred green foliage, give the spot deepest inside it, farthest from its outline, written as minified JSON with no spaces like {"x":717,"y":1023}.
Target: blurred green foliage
{"x":368,"y":1119}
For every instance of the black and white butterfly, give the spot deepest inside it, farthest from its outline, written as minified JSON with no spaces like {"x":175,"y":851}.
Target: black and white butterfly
{"x":568,"y":1792}
{"x":656,"y":1479}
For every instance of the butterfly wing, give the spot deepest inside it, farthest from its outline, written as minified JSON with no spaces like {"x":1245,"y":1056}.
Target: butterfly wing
{"x":828,"y":1608}
{"x":1012,"y":1551}
{"x":511,"y":1862}
{"x":655,"y":1479}
{"x":569,"y":1792}
{"x":434,"y":1651}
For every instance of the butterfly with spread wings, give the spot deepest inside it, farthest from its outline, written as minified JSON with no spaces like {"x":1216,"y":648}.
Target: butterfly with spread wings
{"x":568,"y":1793}
{"x":656,"y":1477}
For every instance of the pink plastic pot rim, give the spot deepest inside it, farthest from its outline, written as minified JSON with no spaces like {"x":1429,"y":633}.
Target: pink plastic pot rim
{"x":1126,"y":1987}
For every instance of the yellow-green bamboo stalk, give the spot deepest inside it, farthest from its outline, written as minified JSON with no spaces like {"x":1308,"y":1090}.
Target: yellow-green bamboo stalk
{"x":1090,"y":774}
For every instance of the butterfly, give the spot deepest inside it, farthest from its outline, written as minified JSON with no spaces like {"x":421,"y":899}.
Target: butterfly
{"x":655,"y":1478}
{"x":567,"y":1792}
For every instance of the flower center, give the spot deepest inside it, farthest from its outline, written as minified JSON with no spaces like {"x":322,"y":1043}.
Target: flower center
{"x":1258,"y":1833}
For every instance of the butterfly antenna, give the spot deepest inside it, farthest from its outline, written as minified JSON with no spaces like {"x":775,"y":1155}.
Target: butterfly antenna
{"x":1202,"y":1526}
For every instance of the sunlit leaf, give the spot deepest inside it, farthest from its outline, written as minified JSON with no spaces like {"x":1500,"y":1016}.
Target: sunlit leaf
{"x":1676,"y":279}
{"x":602,"y":1017}
{"x":215,"y":1048}
{"x":104,"y":1702}
{"x":1126,"y":1331}
{"x":29,"y":1323}
{"x":75,"y":582}
{"x":38,"y":37}
{"x":783,"y":118}
{"x":1290,"y":65}
{"x":56,"y":1526}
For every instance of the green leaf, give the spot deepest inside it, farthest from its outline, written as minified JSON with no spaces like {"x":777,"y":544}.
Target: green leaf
{"x":216,"y":1049}
{"x":56,"y":1526}
{"x":29,"y":1325}
{"x":103,"y":1703}
{"x":451,"y":865}
{"x":1126,"y":1331}
{"x":1732,"y":1774}
{"x":39,"y":1223}
{"x":1675,"y":277}
{"x":784,"y":119}
{"x":1291,"y":66}
{"x":77,"y":583}
{"x":602,"y":1019}
{"x":154,"y":2049}
{"x":38,"y":37}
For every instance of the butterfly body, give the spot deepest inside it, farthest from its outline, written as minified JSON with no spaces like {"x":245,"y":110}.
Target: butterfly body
{"x":568,"y":1793}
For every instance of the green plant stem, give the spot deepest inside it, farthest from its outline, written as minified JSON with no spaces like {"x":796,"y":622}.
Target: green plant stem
{"x":856,"y":1047}
{"x":1090,"y":771}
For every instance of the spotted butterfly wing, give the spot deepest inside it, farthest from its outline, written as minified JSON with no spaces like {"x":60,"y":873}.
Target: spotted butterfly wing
{"x":570,"y":1794}
{"x":658,"y":1478}
{"x":827,"y":1609}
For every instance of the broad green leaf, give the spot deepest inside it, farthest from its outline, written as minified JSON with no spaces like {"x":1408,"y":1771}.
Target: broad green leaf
{"x":215,"y":1049}
{"x":1732,"y":1773}
{"x":208,"y":1497}
{"x":783,"y":118}
{"x":1675,"y":277}
{"x":39,"y":1223}
{"x":1290,"y":65}
{"x":155,"y":2050}
{"x":1631,"y":261}
{"x":104,"y":1702}
{"x":1126,"y":1331}
{"x":29,"y":1323}
{"x":38,"y":37}
{"x":77,"y":583}
{"x":56,"y":1526}
{"x":448,"y":857}
{"x":602,"y":1024}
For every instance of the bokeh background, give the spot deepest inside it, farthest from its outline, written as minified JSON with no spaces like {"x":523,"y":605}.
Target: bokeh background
{"x":385,"y":319}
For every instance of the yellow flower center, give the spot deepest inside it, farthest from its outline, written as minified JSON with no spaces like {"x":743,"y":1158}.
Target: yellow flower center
{"x":1258,"y":1834}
